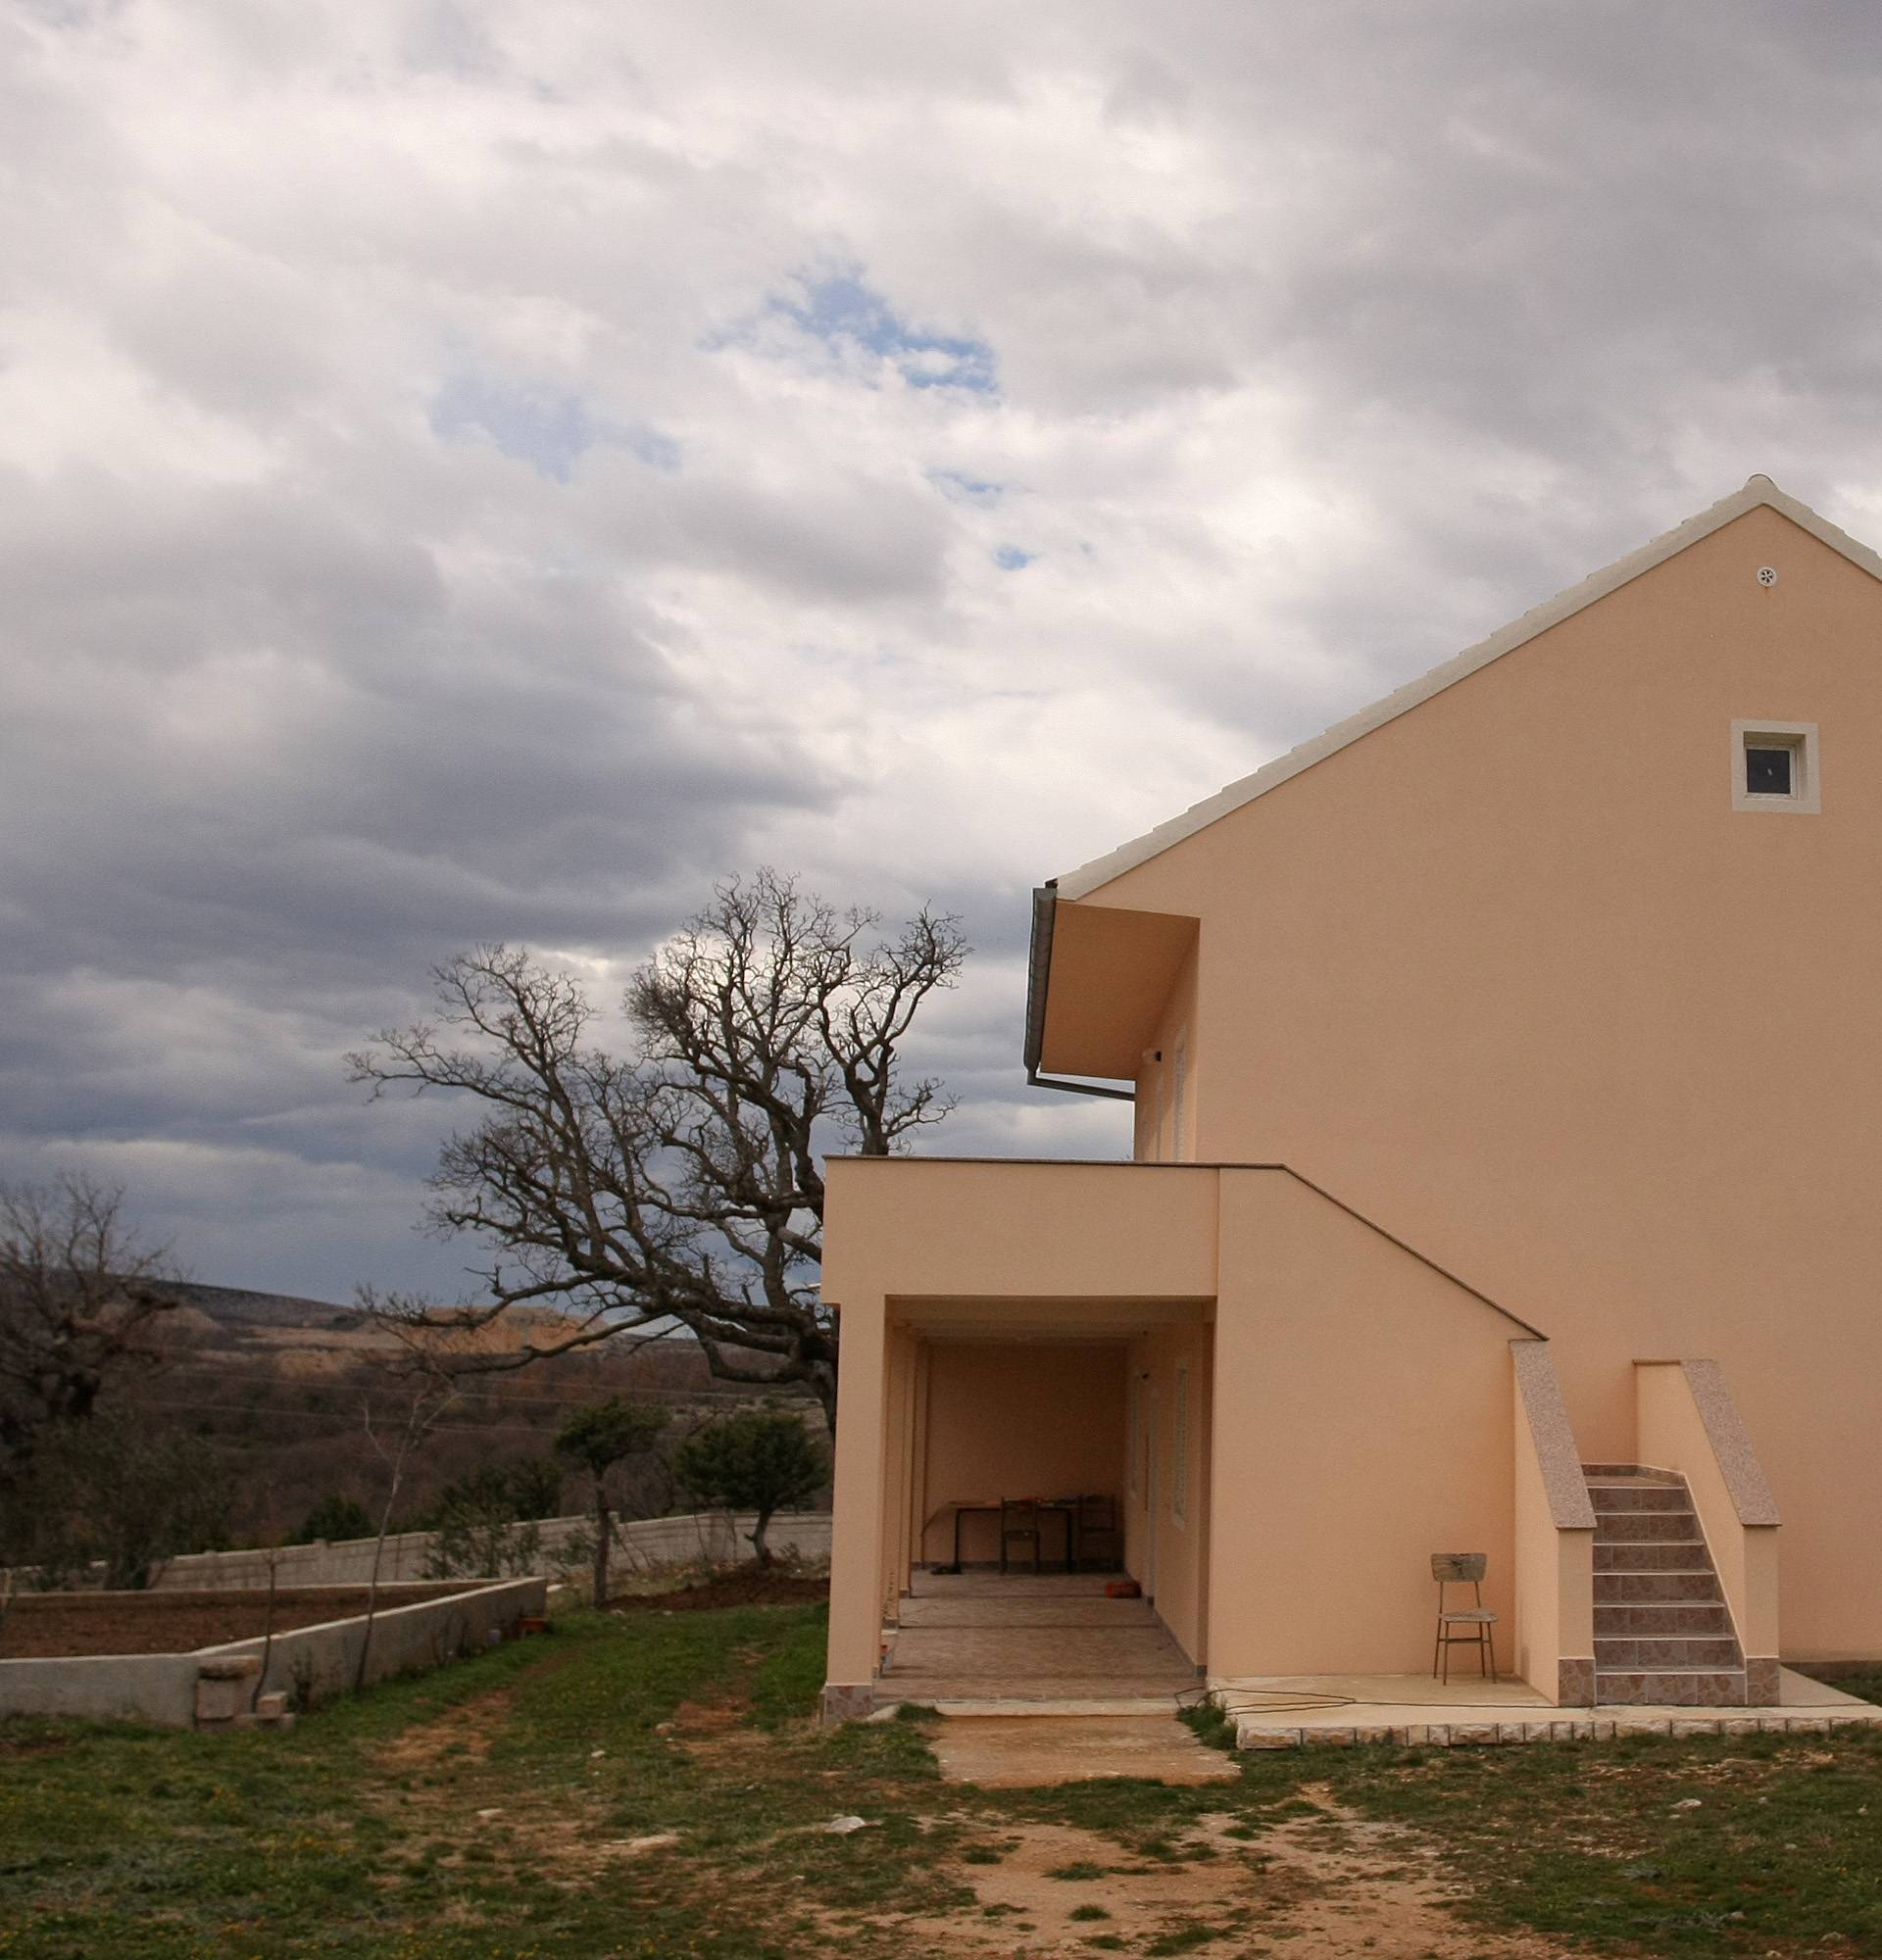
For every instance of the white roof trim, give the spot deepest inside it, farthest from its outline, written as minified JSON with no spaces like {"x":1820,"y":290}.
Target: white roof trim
{"x":1759,"y":490}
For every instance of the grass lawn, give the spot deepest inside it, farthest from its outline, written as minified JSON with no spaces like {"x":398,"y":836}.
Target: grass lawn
{"x":492,"y":1812}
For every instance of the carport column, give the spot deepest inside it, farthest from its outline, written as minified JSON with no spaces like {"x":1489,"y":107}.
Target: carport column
{"x":894,"y":1571}
{"x":858,"y":1511}
{"x":1241,"y":1480}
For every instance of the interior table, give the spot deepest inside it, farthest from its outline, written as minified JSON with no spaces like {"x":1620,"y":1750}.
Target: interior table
{"x":1066,"y":1507}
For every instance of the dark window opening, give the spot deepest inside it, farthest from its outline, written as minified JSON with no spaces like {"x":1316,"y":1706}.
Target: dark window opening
{"x":1767,"y":771}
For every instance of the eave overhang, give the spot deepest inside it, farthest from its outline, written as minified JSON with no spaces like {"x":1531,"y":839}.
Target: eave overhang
{"x":1099,"y":980}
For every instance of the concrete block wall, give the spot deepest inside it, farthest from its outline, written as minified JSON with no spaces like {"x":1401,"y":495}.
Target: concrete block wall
{"x":713,"y":1538}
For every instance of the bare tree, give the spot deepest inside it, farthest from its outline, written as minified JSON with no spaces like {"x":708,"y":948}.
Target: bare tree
{"x":681,"y":1184}
{"x":392,"y":1436}
{"x":80,"y":1297}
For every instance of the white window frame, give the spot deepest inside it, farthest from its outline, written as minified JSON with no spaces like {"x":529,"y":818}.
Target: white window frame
{"x":1807,"y":768}
{"x":1179,"y":1449}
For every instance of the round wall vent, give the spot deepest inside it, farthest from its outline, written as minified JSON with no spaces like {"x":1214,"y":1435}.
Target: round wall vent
{"x":1768,"y":574}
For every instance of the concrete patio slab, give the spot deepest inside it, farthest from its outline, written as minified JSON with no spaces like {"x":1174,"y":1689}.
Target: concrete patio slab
{"x":1287,"y":1711}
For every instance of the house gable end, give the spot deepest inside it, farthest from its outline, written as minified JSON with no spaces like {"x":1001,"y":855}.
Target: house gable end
{"x":1092,"y":879}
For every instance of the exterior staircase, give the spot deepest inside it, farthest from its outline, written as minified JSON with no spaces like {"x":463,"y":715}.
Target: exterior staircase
{"x":1663,"y":1633}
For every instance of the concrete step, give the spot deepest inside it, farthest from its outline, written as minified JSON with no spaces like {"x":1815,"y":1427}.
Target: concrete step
{"x":1689,"y":1656}
{"x":1646,"y":1527}
{"x":1661,"y":1555}
{"x":1608,"y":1498}
{"x":916,"y":1610}
{"x":1643,"y":1589}
{"x":1662,"y":1619}
{"x":1675,"y":1687}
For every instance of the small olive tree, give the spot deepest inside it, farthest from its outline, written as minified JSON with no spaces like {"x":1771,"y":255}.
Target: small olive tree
{"x":597,"y":1438}
{"x":759,"y":1461}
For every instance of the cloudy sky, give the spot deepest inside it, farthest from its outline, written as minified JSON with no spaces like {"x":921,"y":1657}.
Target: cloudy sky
{"x":485,"y":468}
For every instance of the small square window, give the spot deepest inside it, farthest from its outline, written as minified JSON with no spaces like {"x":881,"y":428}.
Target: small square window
{"x":1775,"y":766}
{"x":1767,"y":771}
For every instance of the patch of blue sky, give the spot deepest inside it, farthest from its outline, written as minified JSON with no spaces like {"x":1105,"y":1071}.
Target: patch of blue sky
{"x":1009,"y":558}
{"x":547,"y":428}
{"x":961,"y":489}
{"x":842,"y":309}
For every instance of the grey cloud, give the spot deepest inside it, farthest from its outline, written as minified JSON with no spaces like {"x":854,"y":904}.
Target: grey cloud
{"x":1325,"y":340}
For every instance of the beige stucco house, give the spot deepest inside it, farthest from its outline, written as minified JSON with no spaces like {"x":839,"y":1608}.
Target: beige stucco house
{"x":1507,"y":1079}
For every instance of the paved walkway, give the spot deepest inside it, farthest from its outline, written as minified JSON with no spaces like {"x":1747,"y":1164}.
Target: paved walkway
{"x":975,"y":1639}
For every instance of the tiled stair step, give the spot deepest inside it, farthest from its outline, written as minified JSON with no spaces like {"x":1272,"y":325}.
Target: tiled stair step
{"x":1630,"y":1588}
{"x":1695,"y":1657}
{"x":1675,"y":1688}
{"x":1608,"y":1498}
{"x":1662,"y":1620}
{"x":1653,"y":1555}
{"x":1624,"y":1473}
{"x":1645,"y":1527}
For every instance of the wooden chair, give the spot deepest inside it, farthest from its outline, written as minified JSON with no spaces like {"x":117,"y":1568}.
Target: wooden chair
{"x":1101,"y":1544}
{"x":1464,"y":1568}
{"x":1020,"y":1523}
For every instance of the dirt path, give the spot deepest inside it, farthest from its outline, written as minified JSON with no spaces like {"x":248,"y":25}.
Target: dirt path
{"x":1319,"y":1883}
{"x":52,"y":1625}
{"x":1329,"y":1885}
{"x":434,"y":1776}
{"x":1025,"y":1752}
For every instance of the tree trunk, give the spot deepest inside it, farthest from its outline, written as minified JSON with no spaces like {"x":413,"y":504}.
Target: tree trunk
{"x":602,"y":1531}
{"x":763,"y":1550}
{"x":372,"y":1585}
{"x":267,"y":1631}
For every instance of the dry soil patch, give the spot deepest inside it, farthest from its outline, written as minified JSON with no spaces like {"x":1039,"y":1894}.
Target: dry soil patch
{"x":1020,"y":1751}
{"x":1327,"y":1886}
{"x":43,"y":1625}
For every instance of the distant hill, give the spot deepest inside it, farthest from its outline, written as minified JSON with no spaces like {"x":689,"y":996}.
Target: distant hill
{"x":311,"y":1338}
{"x":237,"y":1306}
{"x":319,"y":1336}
